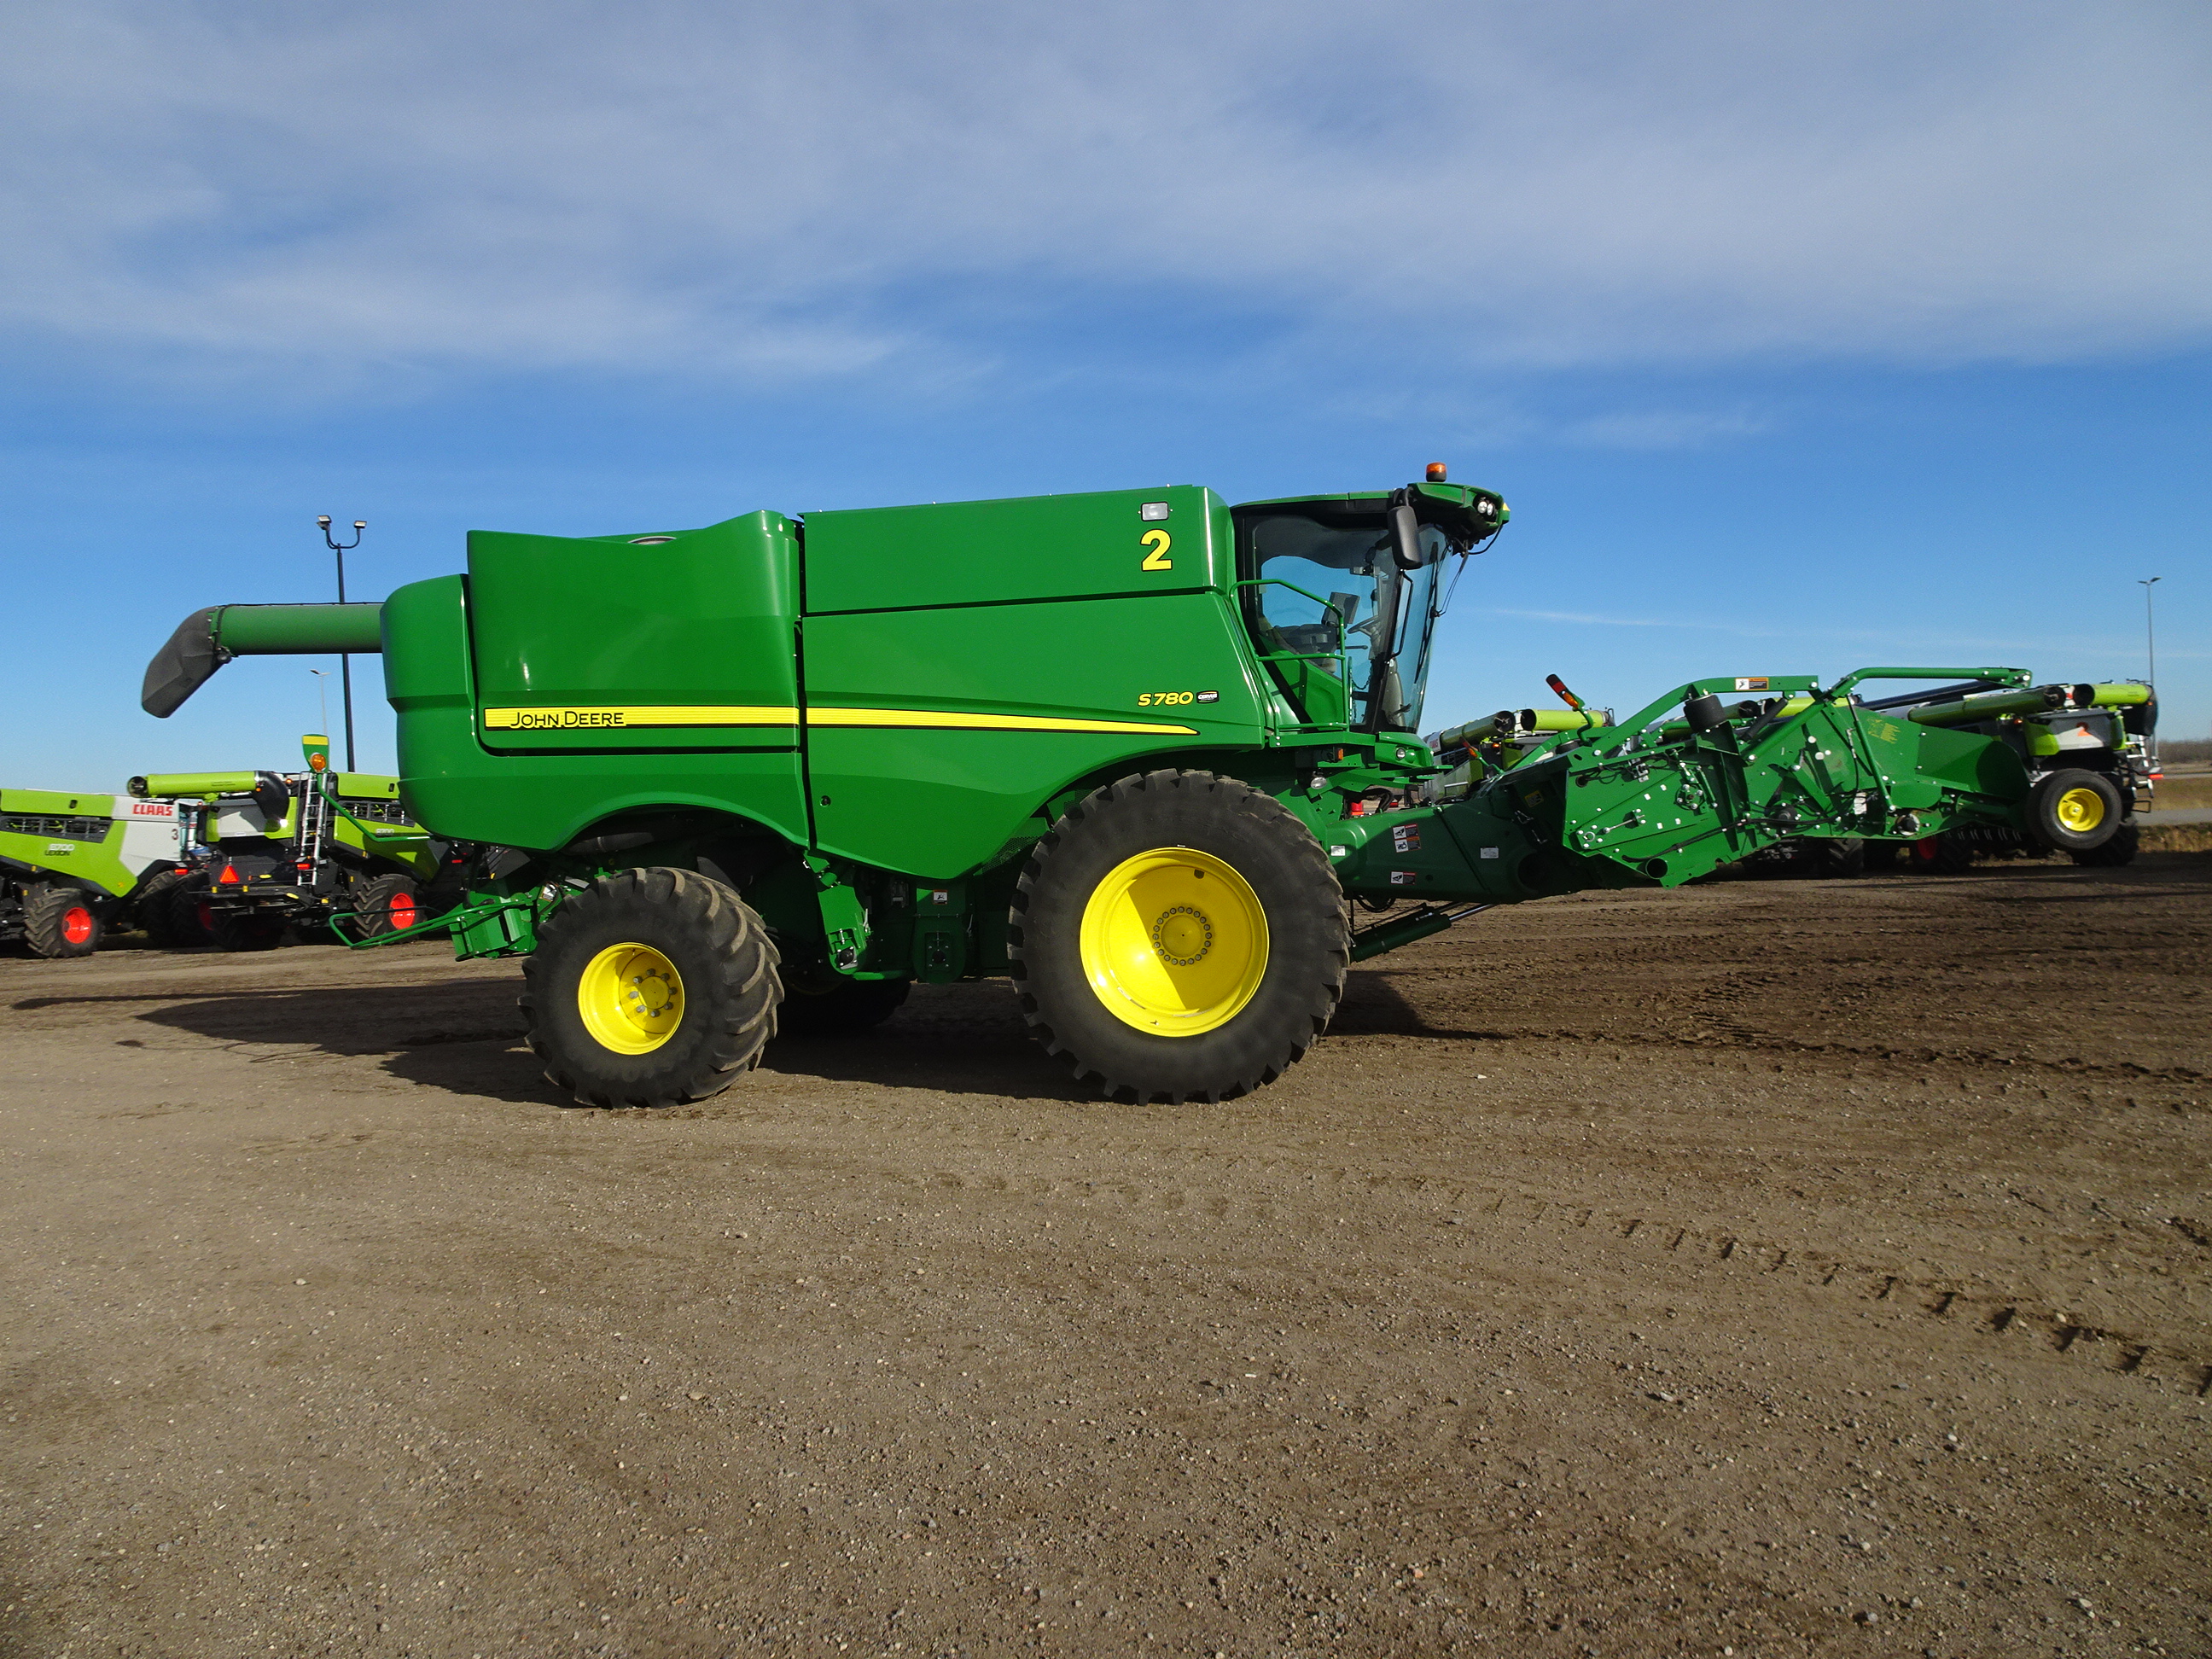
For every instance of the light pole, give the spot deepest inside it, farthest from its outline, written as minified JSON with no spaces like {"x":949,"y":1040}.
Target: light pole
{"x":2150,"y":630}
{"x":345,"y":662}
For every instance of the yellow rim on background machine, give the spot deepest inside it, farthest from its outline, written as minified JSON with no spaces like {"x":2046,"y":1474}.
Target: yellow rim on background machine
{"x":631,"y":999}
{"x":2081,"y":809}
{"x":1174,"y":942}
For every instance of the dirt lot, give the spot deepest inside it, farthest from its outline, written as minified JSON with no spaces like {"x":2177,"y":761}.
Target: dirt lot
{"x":1768,"y":1268}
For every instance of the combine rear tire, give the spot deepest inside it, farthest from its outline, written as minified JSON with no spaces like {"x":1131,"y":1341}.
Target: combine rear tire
{"x":2073,"y":812}
{"x":60,"y":921}
{"x":384,"y":904}
{"x":2126,"y":842}
{"x":839,"y":1010}
{"x":649,"y":988}
{"x":1179,"y":936}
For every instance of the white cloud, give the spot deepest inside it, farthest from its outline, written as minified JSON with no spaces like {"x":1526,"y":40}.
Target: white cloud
{"x":794,"y":192}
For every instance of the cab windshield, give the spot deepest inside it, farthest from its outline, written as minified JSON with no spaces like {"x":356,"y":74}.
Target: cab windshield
{"x":1321,"y":582}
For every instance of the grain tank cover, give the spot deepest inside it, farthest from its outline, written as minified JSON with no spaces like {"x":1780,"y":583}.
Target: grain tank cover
{"x":671,"y":640}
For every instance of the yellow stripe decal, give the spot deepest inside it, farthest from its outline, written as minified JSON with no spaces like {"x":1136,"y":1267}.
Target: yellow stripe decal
{"x":585,"y":719}
{"x":939,"y":720}
{"x":708,"y":715}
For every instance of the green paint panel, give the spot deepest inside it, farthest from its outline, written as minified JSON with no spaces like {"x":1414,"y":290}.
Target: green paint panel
{"x":936,"y":803}
{"x":1036,"y":547}
{"x":451,"y":784}
{"x":55,"y":800}
{"x":618,"y":626}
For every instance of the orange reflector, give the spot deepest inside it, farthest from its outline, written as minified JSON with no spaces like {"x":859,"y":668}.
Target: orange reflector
{"x":1436,"y":471}
{"x":229,"y":875}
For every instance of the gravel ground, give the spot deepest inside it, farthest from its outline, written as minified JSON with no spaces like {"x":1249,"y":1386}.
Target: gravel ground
{"x":1772,"y":1267}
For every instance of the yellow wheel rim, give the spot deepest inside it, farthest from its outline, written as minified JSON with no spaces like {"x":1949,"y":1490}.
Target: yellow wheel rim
{"x":631,"y":999}
{"x":1174,"y":942}
{"x":2080,"y":809}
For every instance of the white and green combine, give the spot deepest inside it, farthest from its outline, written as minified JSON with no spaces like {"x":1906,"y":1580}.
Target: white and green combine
{"x":75,"y":867}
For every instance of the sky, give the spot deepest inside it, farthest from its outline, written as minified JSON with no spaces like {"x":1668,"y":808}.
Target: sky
{"x":1798,"y":338}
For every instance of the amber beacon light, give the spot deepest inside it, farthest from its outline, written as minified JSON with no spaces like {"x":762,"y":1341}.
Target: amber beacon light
{"x":1437,"y":471}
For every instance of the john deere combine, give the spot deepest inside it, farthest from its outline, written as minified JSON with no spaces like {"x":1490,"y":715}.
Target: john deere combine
{"x":75,"y":867}
{"x":2095,"y":737}
{"x":1133,"y":750}
{"x":305,"y":849}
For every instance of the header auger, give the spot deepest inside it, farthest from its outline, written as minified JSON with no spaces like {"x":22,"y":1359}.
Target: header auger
{"x":1134,"y":750}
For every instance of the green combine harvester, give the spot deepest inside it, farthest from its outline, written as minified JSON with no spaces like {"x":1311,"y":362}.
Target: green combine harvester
{"x":76,"y":867}
{"x":304,"y":849}
{"x":1135,"y":750}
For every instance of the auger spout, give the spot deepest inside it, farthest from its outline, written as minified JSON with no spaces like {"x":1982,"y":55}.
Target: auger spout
{"x":208,"y":639}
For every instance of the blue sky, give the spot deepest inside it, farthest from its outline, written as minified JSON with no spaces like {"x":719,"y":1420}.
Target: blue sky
{"x":1798,"y":338}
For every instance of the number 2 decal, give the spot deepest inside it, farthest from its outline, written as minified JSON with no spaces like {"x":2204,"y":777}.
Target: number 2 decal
{"x":1158,"y":558}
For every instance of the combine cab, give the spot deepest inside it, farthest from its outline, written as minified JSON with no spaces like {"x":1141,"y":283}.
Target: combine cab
{"x":1132,"y":750}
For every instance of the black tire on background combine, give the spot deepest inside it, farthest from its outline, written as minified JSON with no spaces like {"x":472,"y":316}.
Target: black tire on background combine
{"x":1946,"y":854}
{"x":2073,"y":812}
{"x":2125,"y":843}
{"x":384,"y":904}
{"x":650,"y":987}
{"x":60,"y":921}
{"x":151,"y":907}
{"x":1840,"y":855}
{"x":1179,"y":936}
{"x":244,"y":930}
{"x":189,"y":913}
{"x":839,"y":1010}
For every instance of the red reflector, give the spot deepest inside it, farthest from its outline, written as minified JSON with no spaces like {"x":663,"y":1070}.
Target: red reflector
{"x":305,"y":864}
{"x":229,"y":874}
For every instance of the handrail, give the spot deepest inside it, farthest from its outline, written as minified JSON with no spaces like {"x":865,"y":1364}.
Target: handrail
{"x":1341,"y":654}
{"x":2001,"y":676}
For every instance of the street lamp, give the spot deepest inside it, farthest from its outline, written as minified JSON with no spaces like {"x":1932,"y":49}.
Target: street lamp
{"x":2150,"y":631}
{"x":345,"y":662}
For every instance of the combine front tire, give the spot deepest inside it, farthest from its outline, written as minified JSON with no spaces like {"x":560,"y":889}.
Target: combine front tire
{"x":1179,"y":936}
{"x":2073,"y":812}
{"x":649,"y":988}
{"x":384,"y":904}
{"x":60,"y":921}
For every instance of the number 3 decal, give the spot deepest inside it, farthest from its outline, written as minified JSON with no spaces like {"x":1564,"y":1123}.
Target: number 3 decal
{"x":1158,"y":558}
